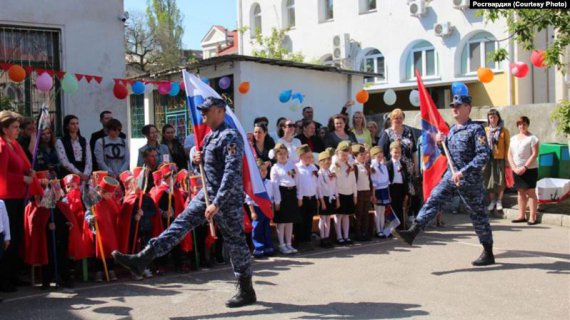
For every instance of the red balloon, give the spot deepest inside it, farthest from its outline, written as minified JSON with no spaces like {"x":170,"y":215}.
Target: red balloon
{"x":244,"y":87}
{"x":362,"y":96}
{"x":519,"y":69}
{"x":182,"y":86}
{"x":537,"y":58}
{"x":120,"y":91}
{"x":164,"y":88}
{"x":16,"y":73}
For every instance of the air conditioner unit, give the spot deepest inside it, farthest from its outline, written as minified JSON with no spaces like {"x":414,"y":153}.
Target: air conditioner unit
{"x":460,"y":4}
{"x":341,"y":46}
{"x":417,"y":8}
{"x":443,"y":29}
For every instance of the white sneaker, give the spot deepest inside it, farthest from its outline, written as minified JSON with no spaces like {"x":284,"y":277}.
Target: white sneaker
{"x":147,"y":273}
{"x":499,"y":206}
{"x":137,"y":278}
{"x":291,"y":249}
{"x":492,"y":205}
{"x":284,"y":249}
{"x":98,"y":276}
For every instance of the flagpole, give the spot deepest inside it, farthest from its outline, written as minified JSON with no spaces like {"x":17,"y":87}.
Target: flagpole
{"x":143,"y":190}
{"x":207,"y":199}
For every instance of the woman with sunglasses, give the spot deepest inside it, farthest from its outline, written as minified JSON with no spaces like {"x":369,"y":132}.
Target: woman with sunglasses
{"x":287,"y":133}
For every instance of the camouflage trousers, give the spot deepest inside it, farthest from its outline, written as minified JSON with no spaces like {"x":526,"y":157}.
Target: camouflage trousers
{"x":472,"y":194}
{"x":229,"y":223}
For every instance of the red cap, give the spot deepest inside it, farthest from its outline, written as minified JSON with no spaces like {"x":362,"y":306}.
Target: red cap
{"x":99,"y":175}
{"x":156,"y":176}
{"x":167,"y":169}
{"x":42,"y":174}
{"x":137,"y":171}
{"x":71,"y":178}
{"x":181,"y":176}
{"x":108,"y":184}
{"x":196,"y":181}
{"x":125,"y":175}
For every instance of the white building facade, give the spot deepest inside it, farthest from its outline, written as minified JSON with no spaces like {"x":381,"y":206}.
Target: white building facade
{"x":85,"y":38}
{"x":443,"y":39}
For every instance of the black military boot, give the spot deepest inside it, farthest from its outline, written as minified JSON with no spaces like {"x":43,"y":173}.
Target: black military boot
{"x":486,"y":258}
{"x":136,"y":263}
{"x":245,"y":294}
{"x":409,"y":235}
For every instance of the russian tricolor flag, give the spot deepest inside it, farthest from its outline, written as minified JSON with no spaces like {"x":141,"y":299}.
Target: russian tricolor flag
{"x":196,"y":92}
{"x":434,"y":163}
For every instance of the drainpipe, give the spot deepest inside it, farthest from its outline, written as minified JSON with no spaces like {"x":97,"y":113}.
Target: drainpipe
{"x":240,"y":25}
{"x":349,"y":91}
{"x":509,"y":76}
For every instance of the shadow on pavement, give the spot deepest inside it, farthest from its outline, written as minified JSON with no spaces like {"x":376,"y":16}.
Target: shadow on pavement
{"x":333,"y":310}
{"x":556,"y":267}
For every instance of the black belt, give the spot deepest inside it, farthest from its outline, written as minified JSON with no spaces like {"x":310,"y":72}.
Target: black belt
{"x":310,"y":198}
{"x":287,"y":188}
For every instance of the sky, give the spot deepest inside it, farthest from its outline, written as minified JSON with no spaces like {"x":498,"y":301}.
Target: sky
{"x":198,"y":15}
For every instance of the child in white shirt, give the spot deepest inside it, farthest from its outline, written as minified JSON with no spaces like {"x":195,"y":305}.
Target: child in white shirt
{"x":347,"y":192}
{"x":307,"y":193}
{"x":380,"y":183}
{"x":328,"y":197}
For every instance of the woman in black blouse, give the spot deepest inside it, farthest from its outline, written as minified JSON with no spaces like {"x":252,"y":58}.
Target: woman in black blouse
{"x":262,"y":143}
{"x":175,"y":148}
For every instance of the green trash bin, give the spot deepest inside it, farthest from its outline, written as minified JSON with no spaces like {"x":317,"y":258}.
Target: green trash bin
{"x":546,"y":165}
{"x":561,"y":162}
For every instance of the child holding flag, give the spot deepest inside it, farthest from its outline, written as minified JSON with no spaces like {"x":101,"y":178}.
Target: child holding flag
{"x":261,"y":234}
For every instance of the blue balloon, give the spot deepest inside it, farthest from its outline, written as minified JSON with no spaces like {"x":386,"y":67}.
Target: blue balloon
{"x":459,"y":88}
{"x":205,"y":80}
{"x":174,"y":89}
{"x":138,"y":88}
{"x":298,"y":96}
{"x":285,"y":95}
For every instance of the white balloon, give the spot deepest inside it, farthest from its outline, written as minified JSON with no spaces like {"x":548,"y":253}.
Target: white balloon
{"x":415,"y":98}
{"x":390,"y":97}
{"x":149,"y":87}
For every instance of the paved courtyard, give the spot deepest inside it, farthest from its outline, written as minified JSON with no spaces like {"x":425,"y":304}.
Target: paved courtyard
{"x":376,"y":280}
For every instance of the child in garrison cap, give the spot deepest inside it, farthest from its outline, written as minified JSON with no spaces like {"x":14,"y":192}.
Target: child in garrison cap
{"x":307,"y":194}
{"x":329,"y":200}
{"x":284,"y":176}
{"x":363,"y":185}
{"x":380,"y":183}
{"x":347,"y":192}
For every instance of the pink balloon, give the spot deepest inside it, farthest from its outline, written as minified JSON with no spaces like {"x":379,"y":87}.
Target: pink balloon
{"x":519,"y":69}
{"x":44,"y":82}
{"x":164,"y":88}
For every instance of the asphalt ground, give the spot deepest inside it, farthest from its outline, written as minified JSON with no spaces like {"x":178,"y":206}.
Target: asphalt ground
{"x":383,"y":279}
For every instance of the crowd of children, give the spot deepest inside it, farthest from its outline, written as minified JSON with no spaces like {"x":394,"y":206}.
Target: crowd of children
{"x":70,"y":225}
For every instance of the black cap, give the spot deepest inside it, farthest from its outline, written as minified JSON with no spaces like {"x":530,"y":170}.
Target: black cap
{"x":210,"y":102}
{"x":460,"y":99}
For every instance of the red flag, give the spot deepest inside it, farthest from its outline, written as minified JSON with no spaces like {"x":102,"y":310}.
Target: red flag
{"x":88,"y":78}
{"x":98,"y":79}
{"x":433,"y":161}
{"x":60,"y":74}
{"x":78,"y":76}
{"x":5,"y":66}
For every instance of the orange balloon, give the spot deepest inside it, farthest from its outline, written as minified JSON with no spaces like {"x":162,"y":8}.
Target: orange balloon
{"x":243,"y":87}
{"x":485,"y":75}
{"x":16,"y":73}
{"x":362,"y":96}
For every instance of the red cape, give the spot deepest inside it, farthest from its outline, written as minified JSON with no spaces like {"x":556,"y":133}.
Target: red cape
{"x":80,"y":245}
{"x":178,"y":202}
{"x":35,"y":232}
{"x":106,"y":212}
{"x":125,"y":219}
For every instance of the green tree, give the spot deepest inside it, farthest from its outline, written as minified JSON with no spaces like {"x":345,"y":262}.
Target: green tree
{"x":273,"y":46}
{"x":140,"y":45}
{"x":165,"y":23}
{"x":524,"y":24}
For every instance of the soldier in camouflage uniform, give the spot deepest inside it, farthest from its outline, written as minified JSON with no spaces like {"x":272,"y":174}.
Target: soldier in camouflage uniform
{"x":469,"y":152}
{"x":222,"y":158}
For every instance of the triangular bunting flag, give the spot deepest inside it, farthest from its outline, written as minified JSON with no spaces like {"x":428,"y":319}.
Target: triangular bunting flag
{"x":29,"y":70}
{"x":98,"y":79}
{"x":60,"y":74}
{"x":50,"y":72}
{"x":39,"y":71}
{"x":88,"y":78}
{"x":78,"y":76}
